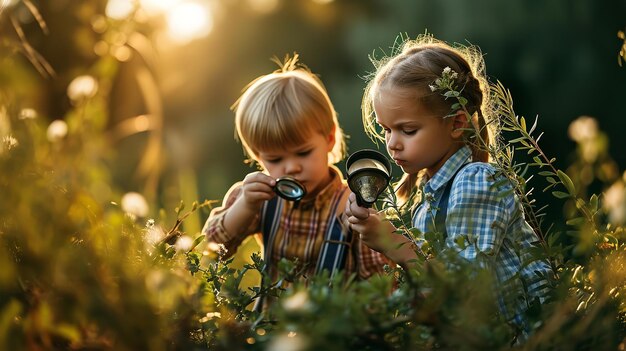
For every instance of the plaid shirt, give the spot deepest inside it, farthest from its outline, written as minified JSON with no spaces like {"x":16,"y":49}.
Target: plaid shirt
{"x":301,"y":231}
{"x":494,"y":225}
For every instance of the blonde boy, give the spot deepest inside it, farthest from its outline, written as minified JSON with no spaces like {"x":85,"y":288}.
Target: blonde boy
{"x":287,"y":124}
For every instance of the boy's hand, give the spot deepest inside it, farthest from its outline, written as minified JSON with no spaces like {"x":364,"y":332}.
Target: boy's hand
{"x":257,"y":187}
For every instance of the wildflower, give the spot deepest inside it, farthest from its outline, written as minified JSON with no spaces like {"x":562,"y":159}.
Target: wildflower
{"x":582,"y":129}
{"x":28,"y":113}
{"x":432,"y":88}
{"x":82,"y":87}
{"x":297,"y":302}
{"x":134,"y":204}
{"x":209,"y":316}
{"x":447,"y":70}
{"x":615,"y":203}
{"x":153,"y":234}
{"x":9,"y":142}
{"x":57,"y":130}
{"x":184,"y":243}
{"x":219,"y":249}
{"x":287,"y":342}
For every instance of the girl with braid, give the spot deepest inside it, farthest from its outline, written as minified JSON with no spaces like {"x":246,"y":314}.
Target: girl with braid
{"x":440,"y":141}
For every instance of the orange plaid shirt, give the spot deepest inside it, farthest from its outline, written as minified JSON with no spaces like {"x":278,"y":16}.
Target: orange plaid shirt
{"x":301,"y":231}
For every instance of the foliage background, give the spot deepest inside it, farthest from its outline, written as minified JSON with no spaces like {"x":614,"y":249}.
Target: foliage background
{"x":159,"y":124}
{"x":559,"y":59}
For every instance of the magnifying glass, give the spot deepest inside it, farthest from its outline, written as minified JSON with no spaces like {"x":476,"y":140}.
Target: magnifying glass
{"x":289,"y":188}
{"x":369,"y":173}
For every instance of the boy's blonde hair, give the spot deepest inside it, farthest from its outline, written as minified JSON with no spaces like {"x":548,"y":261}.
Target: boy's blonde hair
{"x":283,"y":108}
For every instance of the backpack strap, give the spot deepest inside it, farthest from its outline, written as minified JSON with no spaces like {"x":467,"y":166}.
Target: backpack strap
{"x":442,"y":211}
{"x":337,"y":241}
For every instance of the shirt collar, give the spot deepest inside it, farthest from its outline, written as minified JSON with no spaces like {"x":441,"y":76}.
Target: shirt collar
{"x":449,"y":168}
{"x":324,"y":196}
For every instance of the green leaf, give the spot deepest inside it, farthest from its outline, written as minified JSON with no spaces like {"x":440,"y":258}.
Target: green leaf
{"x":560,"y":194}
{"x":565,"y":179}
{"x":522,"y":123}
{"x":576,"y":222}
{"x":532,"y":129}
{"x":593,"y":203}
{"x":546,"y":173}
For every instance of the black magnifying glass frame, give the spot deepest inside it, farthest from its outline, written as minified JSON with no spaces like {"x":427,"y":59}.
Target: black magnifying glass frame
{"x":289,"y":189}
{"x":369,"y":173}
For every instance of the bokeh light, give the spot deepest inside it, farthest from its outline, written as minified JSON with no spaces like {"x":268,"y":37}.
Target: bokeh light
{"x":188,"y":21}
{"x":119,"y":9}
{"x":263,"y":6}
{"x":82,"y":87}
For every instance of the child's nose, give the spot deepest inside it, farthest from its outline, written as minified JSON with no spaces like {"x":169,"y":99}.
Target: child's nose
{"x":392,"y":142}
{"x":293,"y":167}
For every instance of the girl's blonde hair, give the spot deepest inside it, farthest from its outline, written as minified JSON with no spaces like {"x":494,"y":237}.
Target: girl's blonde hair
{"x":415,"y":68}
{"x":283,"y":108}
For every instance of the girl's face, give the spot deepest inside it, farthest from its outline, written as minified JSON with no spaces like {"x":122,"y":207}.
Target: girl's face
{"x":307,"y":162}
{"x":416,"y":138}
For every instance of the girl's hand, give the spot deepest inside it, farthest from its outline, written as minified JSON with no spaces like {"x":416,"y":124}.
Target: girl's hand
{"x":374,"y":230}
{"x":257,"y":187}
{"x":378,"y":233}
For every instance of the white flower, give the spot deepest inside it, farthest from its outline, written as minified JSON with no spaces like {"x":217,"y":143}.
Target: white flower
{"x":209,"y":316}
{"x":28,"y":113}
{"x":447,"y":70}
{"x":57,"y":130}
{"x":287,"y":342}
{"x":9,"y":142}
{"x":432,"y":88}
{"x":297,"y":302}
{"x":135,"y":204}
{"x":219,"y":249}
{"x":614,"y":195}
{"x":153,"y":234}
{"x":583,"y":128}
{"x":82,"y":87}
{"x":183,"y":243}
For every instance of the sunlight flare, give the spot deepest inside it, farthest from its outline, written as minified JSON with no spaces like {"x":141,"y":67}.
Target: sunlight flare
{"x":188,"y":21}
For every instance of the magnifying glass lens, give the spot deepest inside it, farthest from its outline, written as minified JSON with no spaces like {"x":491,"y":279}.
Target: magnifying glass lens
{"x":290,"y":189}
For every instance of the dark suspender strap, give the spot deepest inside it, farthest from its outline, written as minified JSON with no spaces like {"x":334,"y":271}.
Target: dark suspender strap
{"x":335,"y":248}
{"x":270,"y":221}
{"x":442,"y":211}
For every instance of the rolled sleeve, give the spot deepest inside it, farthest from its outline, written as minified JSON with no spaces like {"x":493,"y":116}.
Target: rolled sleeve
{"x":214,"y":229}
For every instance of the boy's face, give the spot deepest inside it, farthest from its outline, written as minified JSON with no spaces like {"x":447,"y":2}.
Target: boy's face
{"x":416,"y":139}
{"x":307,"y":162}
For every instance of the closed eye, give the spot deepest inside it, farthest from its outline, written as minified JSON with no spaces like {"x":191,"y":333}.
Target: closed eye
{"x":273,"y":160}
{"x":409,"y":131}
{"x":305,"y":152}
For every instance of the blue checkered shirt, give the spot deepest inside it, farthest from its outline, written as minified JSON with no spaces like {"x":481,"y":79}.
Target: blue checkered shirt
{"x":494,"y":226}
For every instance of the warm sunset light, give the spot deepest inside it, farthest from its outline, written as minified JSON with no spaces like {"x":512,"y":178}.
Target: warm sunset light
{"x":263,"y":6}
{"x":300,"y":175}
{"x":154,"y":7}
{"x":188,"y":21}
{"x":119,"y":9}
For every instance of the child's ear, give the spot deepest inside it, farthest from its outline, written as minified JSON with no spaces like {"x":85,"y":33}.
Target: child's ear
{"x":331,"y":139}
{"x":460,"y":122}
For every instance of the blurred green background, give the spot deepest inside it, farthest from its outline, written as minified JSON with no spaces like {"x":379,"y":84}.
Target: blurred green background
{"x":193,"y":58}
